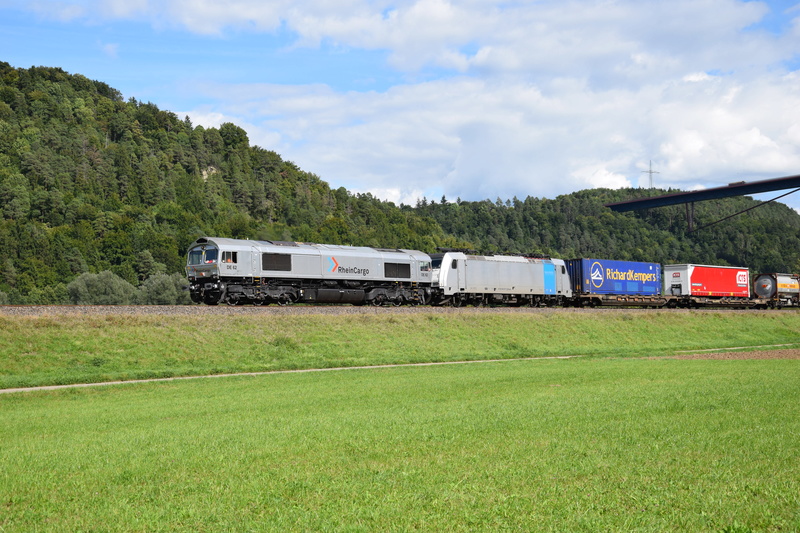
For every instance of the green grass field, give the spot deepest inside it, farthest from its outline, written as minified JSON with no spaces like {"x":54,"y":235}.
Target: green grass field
{"x":558,"y":445}
{"x":605,"y":442}
{"x":62,"y":348}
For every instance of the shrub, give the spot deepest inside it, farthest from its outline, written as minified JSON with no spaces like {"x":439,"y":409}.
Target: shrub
{"x":105,"y":288}
{"x":164,"y":289}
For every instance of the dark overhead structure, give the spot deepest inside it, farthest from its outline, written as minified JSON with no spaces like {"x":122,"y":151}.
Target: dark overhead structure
{"x":734,"y":189}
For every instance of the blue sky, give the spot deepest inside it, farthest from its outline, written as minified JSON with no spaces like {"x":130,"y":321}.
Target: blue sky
{"x":473,"y":99}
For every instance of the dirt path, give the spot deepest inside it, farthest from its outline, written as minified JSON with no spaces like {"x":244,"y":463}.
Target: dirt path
{"x":759,"y":354}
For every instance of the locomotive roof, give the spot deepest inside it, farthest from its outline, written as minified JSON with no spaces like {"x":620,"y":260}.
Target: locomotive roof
{"x":245,"y":243}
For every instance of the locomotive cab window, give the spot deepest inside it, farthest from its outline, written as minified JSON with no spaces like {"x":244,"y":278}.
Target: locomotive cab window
{"x":211,"y":255}
{"x":229,"y":257}
{"x":454,"y":265}
{"x":196,"y":256}
{"x":424,"y":266}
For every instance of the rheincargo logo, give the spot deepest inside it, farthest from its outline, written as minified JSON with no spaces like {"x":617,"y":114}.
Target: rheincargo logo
{"x":339,"y":269}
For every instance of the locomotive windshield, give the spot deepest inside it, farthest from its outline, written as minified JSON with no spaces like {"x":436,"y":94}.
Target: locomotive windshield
{"x":199,"y":256}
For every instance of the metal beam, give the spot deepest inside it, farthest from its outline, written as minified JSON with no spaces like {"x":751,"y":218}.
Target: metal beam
{"x":734,"y":189}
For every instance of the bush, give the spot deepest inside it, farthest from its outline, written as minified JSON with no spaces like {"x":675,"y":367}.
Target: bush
{"x":164,"y":289}
{"x":51,"y":295}
{"x":105,"y":288}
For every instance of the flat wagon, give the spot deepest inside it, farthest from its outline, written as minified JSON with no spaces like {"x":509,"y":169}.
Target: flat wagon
{"x":610,"y":282}
{"x":707,"y":285}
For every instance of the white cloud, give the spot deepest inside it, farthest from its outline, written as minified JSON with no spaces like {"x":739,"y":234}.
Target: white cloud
{"x":110,"y":49}
{"x":481,"y":139}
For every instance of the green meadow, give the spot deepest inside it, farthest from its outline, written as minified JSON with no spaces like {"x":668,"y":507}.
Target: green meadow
{"x":620,"y":439}
{"x":49,"y":349}
{"x":551,"y":445}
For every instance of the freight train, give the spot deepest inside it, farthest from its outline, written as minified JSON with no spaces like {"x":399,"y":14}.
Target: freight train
{"x":235,"y":271}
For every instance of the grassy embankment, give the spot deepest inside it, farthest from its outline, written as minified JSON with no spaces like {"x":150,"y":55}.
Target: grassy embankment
{"x":61,"y":349}
{"x":588,"y":444}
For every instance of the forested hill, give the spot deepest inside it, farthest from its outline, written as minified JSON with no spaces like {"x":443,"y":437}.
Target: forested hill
{"x":92,"y":183}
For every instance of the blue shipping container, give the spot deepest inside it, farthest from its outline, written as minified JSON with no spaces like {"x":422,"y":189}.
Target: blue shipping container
{"x":604,"y":276}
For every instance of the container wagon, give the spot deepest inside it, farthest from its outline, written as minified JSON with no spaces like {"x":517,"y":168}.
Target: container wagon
{"x":779,"y":290}
{"x":608,"y":282}
{"x":699,"y":285}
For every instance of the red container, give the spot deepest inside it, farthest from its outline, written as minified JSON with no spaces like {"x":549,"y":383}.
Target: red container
{"x":704,"y":280}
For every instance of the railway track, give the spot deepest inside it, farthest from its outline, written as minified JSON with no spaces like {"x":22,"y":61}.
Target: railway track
{"x":198,"y":310}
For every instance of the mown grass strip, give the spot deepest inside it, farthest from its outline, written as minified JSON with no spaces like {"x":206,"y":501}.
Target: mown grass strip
{"x":253,"y":374}
{"x":567,"y":445}
{"x":63,"y":349}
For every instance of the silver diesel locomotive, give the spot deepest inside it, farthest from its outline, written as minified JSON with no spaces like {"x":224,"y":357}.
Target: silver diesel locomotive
{"x":237,"y":271}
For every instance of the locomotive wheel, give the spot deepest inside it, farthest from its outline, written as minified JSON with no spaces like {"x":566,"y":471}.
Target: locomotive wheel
{"x":210,"y":300}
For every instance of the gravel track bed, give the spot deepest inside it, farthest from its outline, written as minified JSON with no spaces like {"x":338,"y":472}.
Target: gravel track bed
{"x":224,"y":310}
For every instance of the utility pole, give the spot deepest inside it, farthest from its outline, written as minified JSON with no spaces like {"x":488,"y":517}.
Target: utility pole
{"x":651,"y":172}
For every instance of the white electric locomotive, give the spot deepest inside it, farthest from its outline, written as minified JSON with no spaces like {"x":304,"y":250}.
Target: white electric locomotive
{"x":463,"y":279}
{"x":237,"y":271}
